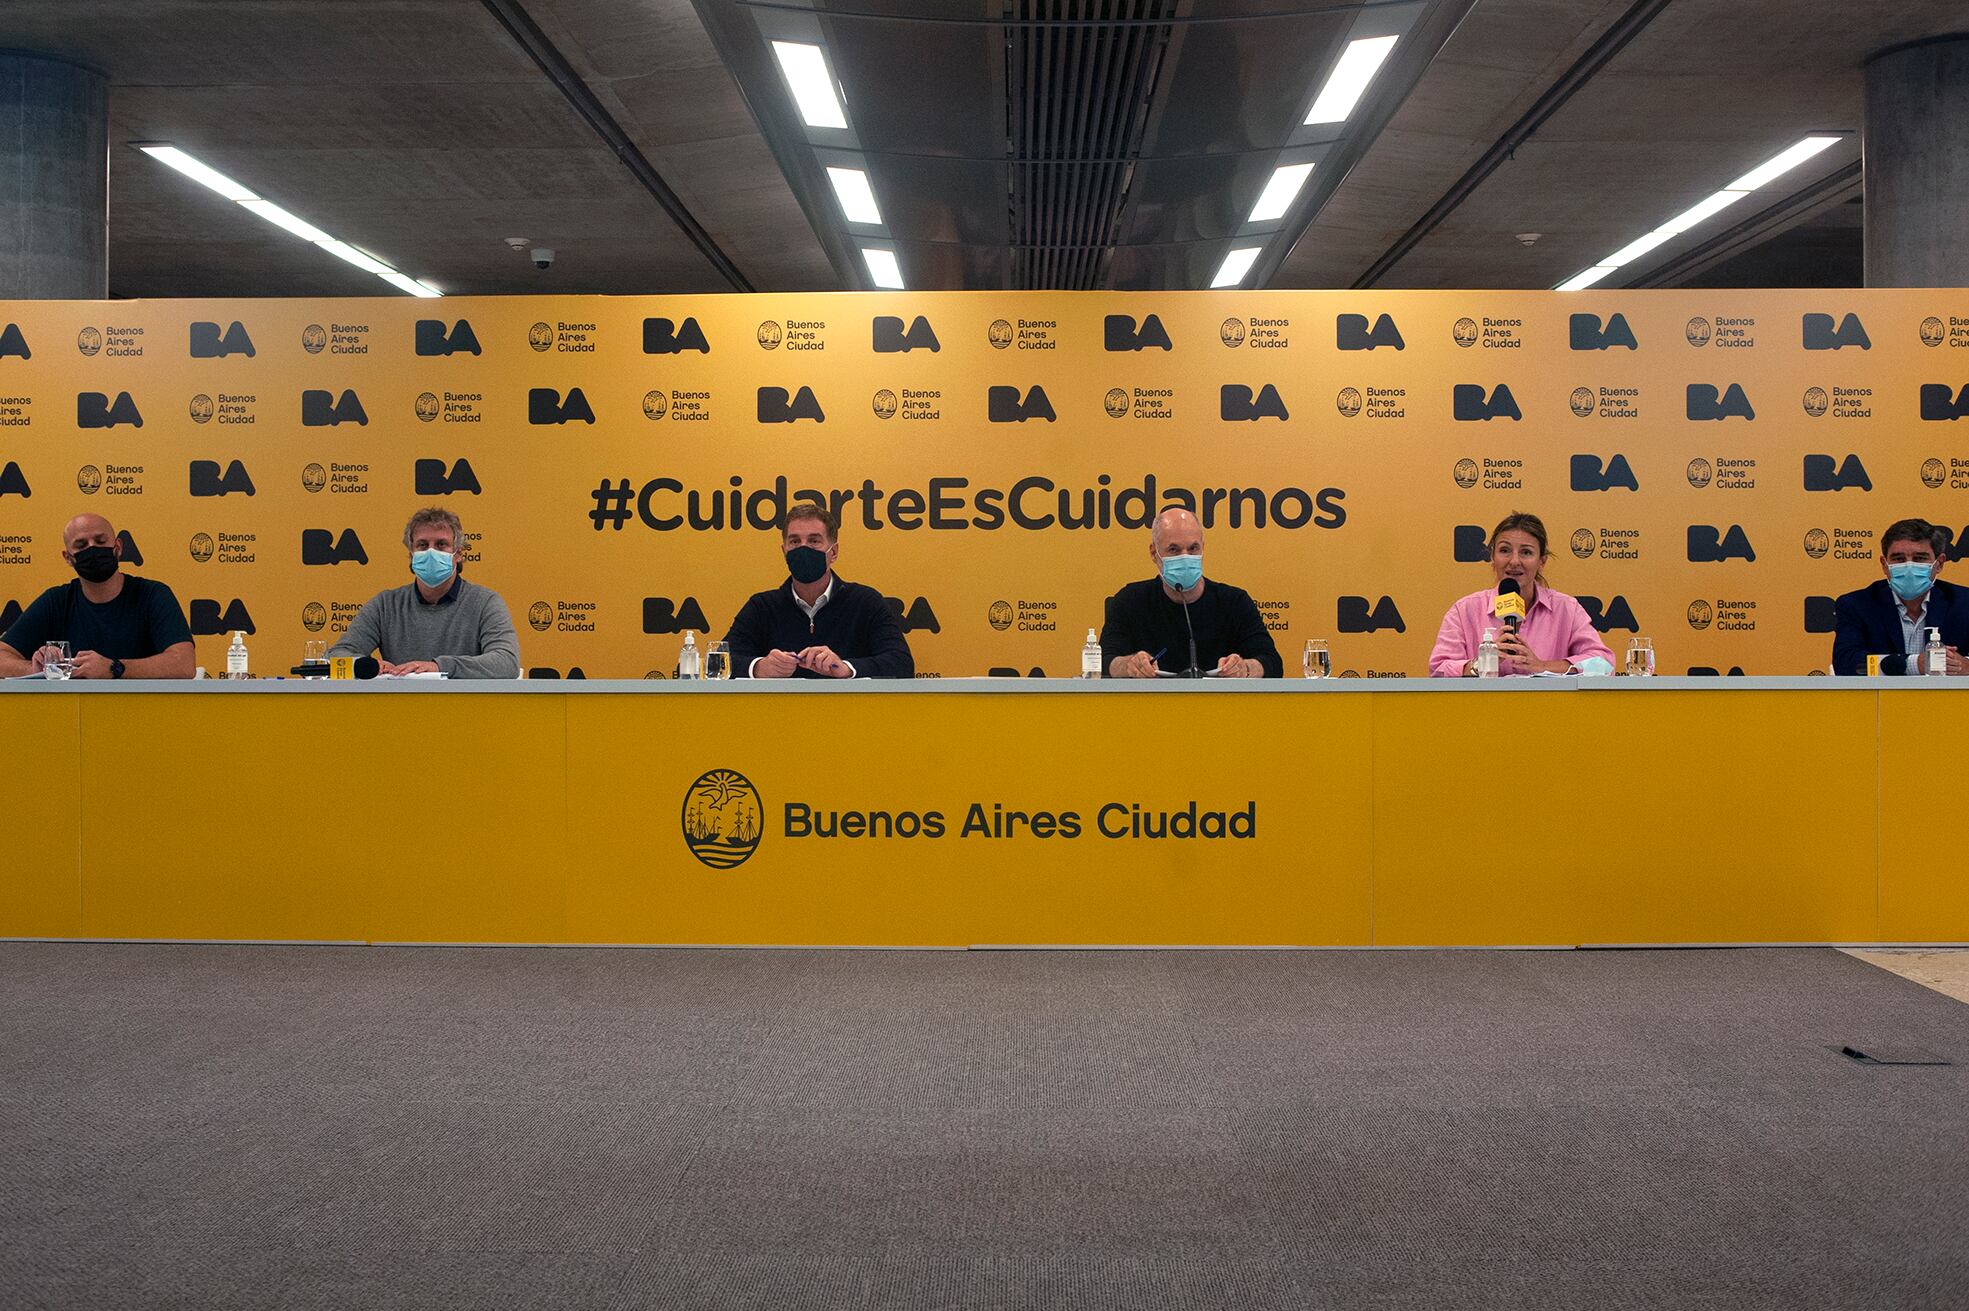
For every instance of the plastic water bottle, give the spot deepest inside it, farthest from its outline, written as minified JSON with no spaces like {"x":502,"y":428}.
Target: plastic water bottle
{"x":1937,"y":656}
{"x":1090,"y":656}
{"x":236,"y":656}
{"x":1487,"y":654}
{"x":690,"y":664}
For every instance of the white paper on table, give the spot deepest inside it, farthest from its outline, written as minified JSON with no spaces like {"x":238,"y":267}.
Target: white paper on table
{"x":435,"y":674}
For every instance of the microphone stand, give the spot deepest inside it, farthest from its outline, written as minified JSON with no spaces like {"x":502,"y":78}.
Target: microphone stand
{"x":1192,"y":671}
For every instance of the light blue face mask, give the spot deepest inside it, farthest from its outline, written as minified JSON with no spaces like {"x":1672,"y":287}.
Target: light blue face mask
{"x":433,"y":568}
{"x":1182,"y":572}
{"x":1910,"y":581}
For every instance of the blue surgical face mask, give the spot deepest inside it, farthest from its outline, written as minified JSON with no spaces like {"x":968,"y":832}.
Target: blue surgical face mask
{"x":433,"y":568}
{"x":1182,"y":572}
{"x":1910,"y":581}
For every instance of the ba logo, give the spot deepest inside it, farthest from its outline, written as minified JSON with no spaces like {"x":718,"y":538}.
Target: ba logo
{"x":1115,"y":403}
{"x":1821,"y":614}
{"x":1938,"y":405}
{"x":1697,"y":331}
{"x":891,"y":337}
{"x":131,"y":555}
{"x":13,"y":482}
{"x":1348,"y":402}
{"x":1959,"y":545}
{"x":1710,"y":671}
{"x":1011,"y":671}
{"x":13,"y":343}
{"x":1588,"y":333}
{"x":1589,"y":475}
{"x":95,"y":410}
{"x":206,"y":480}
{"x":1000,"y":615}
{"x":547,"y":671}
{"x":208,"y":343}
{"x":89,"y":341}
{"x":884,"y":404}
{"x":1356,"y":616}
{"x":1699,"y":473}
{"x":1932,"y":333}
{"x":314,"y":339}
{"x":1932,"y":473}
{"x":1582,"y":401}
{"x":1706,"y":404}
{"x":1822,"y":476}
{"x":1700,"y":614}
{"x":1470,"y":544}
{"x":90,"y":479}
{"x":320,"y":409}
{"x":432,"y":339}
{"x":314,"y":478}
{"x":1231,"y":333}
{"x":208,"y":619}
{"x":775,"y":406}
{"x":1000,"y":334}
{"x":427,"y":406}
{"x":1709,"y":545}
{"x":1351,"y":333}
{"x":1002,"y":405}
{"x":544,"y":406}
{"x":1582,"y":543}
{"x":1119,"y":332}
{"x":1465,"y":474}
{"x":1467,"y":403}
{"x":541,"y":616}
{"x":321,"y":546}
{"x":1612,"y":614}
{"x":1817,"y":543}
{"x":314,"y":616}
{"x":723,"y":819}
{"x":201,"y":547}
{"x":9,"y":614}
{"x":1821,"y":335}
{"x":1816,"y":401}
{"x":770,"y":335}
{"x":1464,"y":333}
{"x":201,"y":408}
{"x":540,"y":336}
{"x":655,"y":405}
{"x":662,"y":337}
{"x":1236,"y":404}
{"x":918,"y":618}
{"x":663,"y":616}
{"x":431,"y":478}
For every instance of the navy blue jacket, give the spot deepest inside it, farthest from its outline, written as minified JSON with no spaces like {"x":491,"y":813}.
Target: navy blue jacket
{"x":1869,"y":623}
{"x":855,"y":624}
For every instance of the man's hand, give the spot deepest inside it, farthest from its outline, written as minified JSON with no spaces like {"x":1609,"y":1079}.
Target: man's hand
{"x":1139,"y":665}
{"x":40,"y":660}
{"x":89,"y":664}
{"x":1954,"y":662}
{"x":824,"y":662}
{"x":1236,"y":666}
{"x":412,"y":667}
{"x":776,"y":664}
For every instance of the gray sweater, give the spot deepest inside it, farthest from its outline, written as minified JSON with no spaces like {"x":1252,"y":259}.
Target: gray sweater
{"x":469,"y":634}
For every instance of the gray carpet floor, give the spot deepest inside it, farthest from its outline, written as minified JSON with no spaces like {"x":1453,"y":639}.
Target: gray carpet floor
{"x":219,"y":1127}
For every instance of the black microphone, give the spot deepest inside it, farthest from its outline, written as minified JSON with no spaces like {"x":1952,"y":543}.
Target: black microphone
{"x":365,"y":667}
{"x":1192,"y":671}
{"x":1510,"y":611}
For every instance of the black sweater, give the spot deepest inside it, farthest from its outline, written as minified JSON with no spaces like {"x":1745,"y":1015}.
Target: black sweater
{"x":1141,"y":617}
{"x":855,"y":624}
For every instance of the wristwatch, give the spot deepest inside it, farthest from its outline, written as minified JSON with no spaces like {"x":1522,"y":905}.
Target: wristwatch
{"x":116,"y":669}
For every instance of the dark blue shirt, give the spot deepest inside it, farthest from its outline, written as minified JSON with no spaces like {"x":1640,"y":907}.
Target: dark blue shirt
{"x":143,"y":620}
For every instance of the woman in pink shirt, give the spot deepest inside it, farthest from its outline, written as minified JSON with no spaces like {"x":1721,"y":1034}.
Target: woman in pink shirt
{"x":1555,"y":634}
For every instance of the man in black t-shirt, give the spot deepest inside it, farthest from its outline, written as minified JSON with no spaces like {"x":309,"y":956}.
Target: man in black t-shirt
{"x":1182,"y":623}
{"x":116,"y":625}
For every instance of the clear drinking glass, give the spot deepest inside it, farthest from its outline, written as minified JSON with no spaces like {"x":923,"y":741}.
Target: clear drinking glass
{"x":314,"y":653}
{"x":55,"y":661}
{"x":1316,"y":662}
{"x":1641,"y":658}
{"x":718,"y":661}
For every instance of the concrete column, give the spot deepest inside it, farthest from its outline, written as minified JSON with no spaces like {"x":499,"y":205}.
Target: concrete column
{"x":1916,"y":152}
{"x":54,"y":179}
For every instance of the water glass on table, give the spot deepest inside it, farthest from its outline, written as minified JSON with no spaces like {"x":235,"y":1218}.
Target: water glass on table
{"x":1641,"y":658}
{"x":55,"y":660}
{"x":1316,"y":661}
{"x":718,"y":661}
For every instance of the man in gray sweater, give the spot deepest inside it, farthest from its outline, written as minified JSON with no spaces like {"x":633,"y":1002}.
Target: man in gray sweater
{"x":440,"y":622}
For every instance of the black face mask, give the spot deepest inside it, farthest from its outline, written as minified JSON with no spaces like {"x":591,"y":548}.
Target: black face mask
{"x":95,"y":564}
{"x":806,"y":564}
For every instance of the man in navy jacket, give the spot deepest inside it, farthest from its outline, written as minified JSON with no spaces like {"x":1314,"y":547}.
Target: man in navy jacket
{"x":1891,"y":618}
{"x":817,"y":625}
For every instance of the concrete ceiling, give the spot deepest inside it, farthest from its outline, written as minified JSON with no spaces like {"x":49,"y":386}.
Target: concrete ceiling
{"x":652,"y":146}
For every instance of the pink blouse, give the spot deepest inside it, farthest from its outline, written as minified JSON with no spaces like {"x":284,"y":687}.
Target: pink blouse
{"x":1555,"y":628}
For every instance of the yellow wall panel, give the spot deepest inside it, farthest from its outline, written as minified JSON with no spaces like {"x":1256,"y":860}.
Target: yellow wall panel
{"x":41,"y":891}
{"x":1924,"y":889}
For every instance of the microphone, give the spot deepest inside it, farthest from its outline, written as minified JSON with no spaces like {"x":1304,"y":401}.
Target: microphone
{"x":1192,"y":671}
{"x":1510,"y":604}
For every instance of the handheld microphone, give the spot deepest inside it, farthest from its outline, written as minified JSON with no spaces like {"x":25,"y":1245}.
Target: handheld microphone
{"x":1510,"y":603}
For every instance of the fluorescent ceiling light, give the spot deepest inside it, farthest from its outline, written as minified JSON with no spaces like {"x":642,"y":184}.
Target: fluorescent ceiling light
{"x":1348,"y":81}
{"x":1638,"y":247}
{"x":1781,"y":164}
{"x":1280,"y":192}
{"x":856,"y":196}
{"x":883,"y":269}
{"x":1236,"y":264}
{"x":805,"y":70}
{"x":1580,"y":281}
{"x":202,"y":174}
{"x":1707,"y":208}
{"x":404,"y":282}
{"x":280,"y":218}
{"x":343,"y":250}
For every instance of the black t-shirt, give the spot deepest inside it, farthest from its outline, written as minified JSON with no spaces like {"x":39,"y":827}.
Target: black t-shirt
{"x":143,"y":620}
{"x":1141,"y":617}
